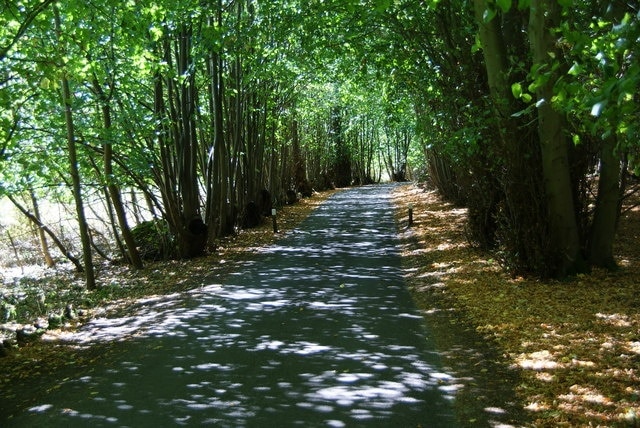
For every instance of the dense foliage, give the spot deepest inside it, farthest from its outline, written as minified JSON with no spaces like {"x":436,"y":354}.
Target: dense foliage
{"x":524,"y":111}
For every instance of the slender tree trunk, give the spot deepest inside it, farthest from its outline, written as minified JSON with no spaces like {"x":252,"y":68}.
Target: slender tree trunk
{"x":607,"y":208}
{"x":497,"y":65}
{"x":75,"y":173}
{"x":16,"y":253}
{"x":113,"y":223}
{"x":219,"y":211}
{"x":36,"y":221}
{"x":42,"y":237}
{"x":113,"y":190}
{"x":188,"y":155}
{"x":545,"y":15}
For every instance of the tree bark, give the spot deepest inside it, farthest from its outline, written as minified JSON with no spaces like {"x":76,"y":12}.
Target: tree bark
{"x":523,"y":216}
{"x":607,"y":208}
{"x":42,"y":236}
{"x":219,"y":213}
{"x":544,"y":16}
{"x":496,"y":61}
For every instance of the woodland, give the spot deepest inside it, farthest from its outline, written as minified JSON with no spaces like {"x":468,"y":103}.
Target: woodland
{"x":525,"y":112}
{"x":135,"y":133}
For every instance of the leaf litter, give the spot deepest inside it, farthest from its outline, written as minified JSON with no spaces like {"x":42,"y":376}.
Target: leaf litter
{"x":574,"y":343}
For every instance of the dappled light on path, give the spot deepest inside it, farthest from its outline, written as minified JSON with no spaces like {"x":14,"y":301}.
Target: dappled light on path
{"x":317,"y":330}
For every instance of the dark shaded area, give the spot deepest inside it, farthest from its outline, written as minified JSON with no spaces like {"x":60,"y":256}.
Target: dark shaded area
{"x":198,"y":234}
{"x":265,"y":203}
{"x":305,"y":189}
{"x":254,"y":211}
{"x":252,"y":216}
{"x":292,"y":197}
{"x":154,"y":240}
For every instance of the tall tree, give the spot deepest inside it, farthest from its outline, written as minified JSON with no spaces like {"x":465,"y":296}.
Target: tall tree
{"x":67,"y":100}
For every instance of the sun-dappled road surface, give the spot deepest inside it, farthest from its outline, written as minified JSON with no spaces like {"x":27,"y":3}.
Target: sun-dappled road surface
{"x":317,"y":330}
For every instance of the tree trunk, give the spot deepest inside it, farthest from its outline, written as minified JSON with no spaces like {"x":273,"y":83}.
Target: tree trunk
{"x":193,"y":234}
{"x":176,"y":137}
{"x":114,"y":191}
{"x":36,"y":221}
{"x":522,"y":220}
{"x":299,"y":166}
{"x":42,"y":237}
{"x":607,"y":208}
{"x":74,"y":171}
{"x":544,"y":16}
{"x":342,"y":155}
{"x":496,"y":62}
{"x":219,"y":212}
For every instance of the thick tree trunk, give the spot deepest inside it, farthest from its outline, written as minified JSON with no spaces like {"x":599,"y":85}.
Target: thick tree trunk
{"x":517,"y":169}
{"x":607,"y":208}
{"x":544,"y":16}
{"x":75,"y":173}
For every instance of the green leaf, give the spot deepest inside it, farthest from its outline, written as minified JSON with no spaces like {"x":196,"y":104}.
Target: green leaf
{"x":489,"y":14}
{"x":382,"y":5}
{"x":505,"y":5}
{"x":45,"y":83}
{"x":477,"y":45}
{"x":524,"y":4}
{"x":516,"y":90}
{"x":575,"y":69}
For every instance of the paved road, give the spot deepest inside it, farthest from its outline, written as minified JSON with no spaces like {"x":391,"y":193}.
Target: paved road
{"x":318,"y":330}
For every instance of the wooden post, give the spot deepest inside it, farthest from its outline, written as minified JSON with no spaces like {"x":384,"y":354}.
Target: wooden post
{"x":275,"y":223}
{"x":410,"y":214}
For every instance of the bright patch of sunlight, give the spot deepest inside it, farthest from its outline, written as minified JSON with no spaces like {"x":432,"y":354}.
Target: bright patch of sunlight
{"x":617,"y":320}
{"x":581,"y":363}
{"x":585,"y":394}
{"x":545,"y":377}
{"x":540,"y":360}
{"x":41,"y":408}
{"x":536,"y":407}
